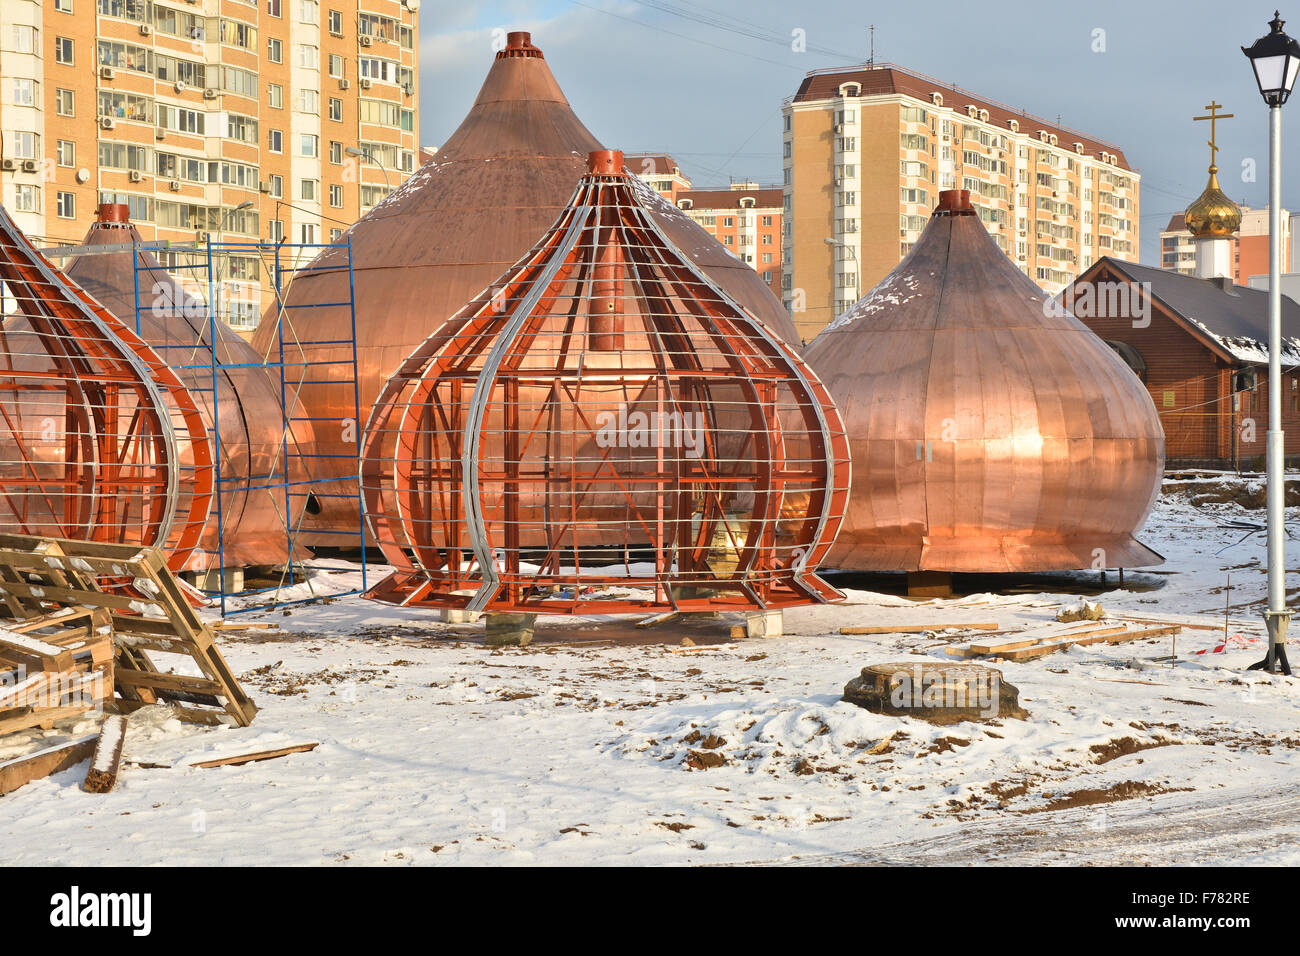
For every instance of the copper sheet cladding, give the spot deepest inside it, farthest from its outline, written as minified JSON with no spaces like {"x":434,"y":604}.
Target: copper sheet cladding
{"x":989,"y":432}
{"x":99,"y":439}
{"x":492,"y":189}
{"x":600,"y":392}
{"x":254,"y":517}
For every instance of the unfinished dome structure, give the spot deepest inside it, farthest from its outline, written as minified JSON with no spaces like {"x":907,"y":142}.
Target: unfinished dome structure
{"x":99,"y":439}
{"x":464,"y":217}
{"x":991,"y":430}
{"x":604,"y":394}
{"x":236,"y":396}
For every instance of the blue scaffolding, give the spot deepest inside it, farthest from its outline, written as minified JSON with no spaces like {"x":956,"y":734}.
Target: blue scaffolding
{"x":293,"y":474}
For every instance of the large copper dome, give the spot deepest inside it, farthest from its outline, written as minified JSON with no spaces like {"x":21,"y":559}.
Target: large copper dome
{"x":990,"y":430}
{"x":492,"y":189}
{"x":247,"y":407}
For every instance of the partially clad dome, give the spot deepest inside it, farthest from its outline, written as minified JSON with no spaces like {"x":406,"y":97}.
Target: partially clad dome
{"x":254,"y":453}
{"x":991,"y":430}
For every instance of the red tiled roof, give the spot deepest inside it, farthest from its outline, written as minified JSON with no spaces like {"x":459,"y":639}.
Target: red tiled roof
{"x":661,"y":164}
{"x":766,"y":198}
{"x":894,"y":79}
{"x":1176,"y":223}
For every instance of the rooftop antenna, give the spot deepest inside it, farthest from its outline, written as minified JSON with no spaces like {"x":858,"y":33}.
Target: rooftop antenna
{"x":871,"y":57}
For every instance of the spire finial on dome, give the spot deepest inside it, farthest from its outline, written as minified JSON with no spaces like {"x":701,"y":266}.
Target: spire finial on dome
{"x":1213,"y":214}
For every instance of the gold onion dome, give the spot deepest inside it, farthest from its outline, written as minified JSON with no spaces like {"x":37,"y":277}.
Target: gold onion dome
{"x":1213,"y":214}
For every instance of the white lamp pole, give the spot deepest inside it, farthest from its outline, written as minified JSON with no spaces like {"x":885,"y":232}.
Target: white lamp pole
{"x":1275,"y":58}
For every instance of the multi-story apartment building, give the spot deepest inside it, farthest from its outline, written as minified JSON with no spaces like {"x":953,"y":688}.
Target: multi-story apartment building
{"x":225,"y":119}
{"x":1249,"y":246}
{"x":746,"y":219}
{"x":867,"y":150}
{"x":659,"y":170}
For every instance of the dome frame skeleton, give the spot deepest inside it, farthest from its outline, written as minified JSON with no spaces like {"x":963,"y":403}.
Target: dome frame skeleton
{"x":604,"y":307}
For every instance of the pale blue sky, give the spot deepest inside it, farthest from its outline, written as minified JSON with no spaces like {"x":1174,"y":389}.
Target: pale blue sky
{"x":644,"y":78}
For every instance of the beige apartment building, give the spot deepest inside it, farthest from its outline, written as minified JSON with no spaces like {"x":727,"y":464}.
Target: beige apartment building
{"x":229,"y":120}
{"x":867,"y":151}
{"x":1249,"y":246}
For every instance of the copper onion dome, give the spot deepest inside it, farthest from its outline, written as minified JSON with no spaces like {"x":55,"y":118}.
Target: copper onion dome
{"x":490,"y":191}
{"x":991,"y":430}
{"x":99,"y":439}
{"x":1212,"y":214}
{"x":254,"y":452}
{"x":602,"y":393}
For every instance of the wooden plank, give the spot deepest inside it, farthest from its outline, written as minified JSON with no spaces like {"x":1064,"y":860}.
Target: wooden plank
{"x":1143,"y":635}
{"x":238,"y":760}
{"x":1005,"y":647}
{"x":916,"y":628}
{"x":24,"y":770}
{"x":107,"y":759}
{"x":155,"y":680}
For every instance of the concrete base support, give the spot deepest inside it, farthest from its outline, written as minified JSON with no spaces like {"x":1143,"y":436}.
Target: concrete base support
{"x":210,"y":580}
{"x":513,"y":630}
{"x":764,"y":624}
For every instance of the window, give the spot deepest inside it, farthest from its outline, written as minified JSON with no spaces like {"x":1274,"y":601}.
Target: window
{"x":25,"y":39}
{"x":336,"y":109}
{"x":275,"y":140}
{"x":307,"y":231}
{"x":336,"y":154}
{"x":63,"y":6}
{"x":308,"y":56}
{"x":273,"y":8}
{"x":67,"y":205}
{"x":63,"y":50}
{"x":63,"y":102}
{"x":308,"y":12}
{"x":243,"y":82}
{"x":336,"y":23}
{"x":67,"y":153}
{"x":277,"y":186}
{"x":24,"y":92}
{"x":336,"y":65}
{"x":26,"y":144}
{"x":336,"y":196}
{"x":235,"y":33}
{"x":275,"y":96}
{"x":308,"y":190}
{"x":308,"y":100}
{"x":307,"y":145}
{"x":275,"y":230}
{"x":336,"y":235}
{"x":241,"y":128}
{"x":181,"y":120}
{"x":274,"y":51}
{"x":26,"y":198}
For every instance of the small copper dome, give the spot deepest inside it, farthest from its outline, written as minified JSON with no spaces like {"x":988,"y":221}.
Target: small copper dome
{"x":1212,"y":214}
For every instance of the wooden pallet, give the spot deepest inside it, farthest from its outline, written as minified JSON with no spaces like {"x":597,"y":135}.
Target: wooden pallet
{"x":147,"y":612}
{"x":55,"y":665}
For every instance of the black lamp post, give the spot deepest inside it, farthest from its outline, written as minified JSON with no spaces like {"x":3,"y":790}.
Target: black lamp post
{"x":1276,"y":61}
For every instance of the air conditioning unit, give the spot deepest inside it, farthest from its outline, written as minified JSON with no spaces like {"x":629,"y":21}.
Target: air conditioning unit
{"x":160,"y":134}
{"x":106,"y":73}
{"x":839,"y":127}
{"x":264,"y":186}
{"x":8,"y":165}
{"x":174,"y":186}
{"x":135,"y":176}
{"x":29,"y":165}
{"x":180,"y":86}
{"x":201,"y":236}
{"x":365,"y":40}
{"x":409,"y":88}
{"x":196,"y":33}
{"x":107,"y":122}
{"x":209,"y":94}
{"x":365,"y":83}
{"x":146,"y":30}
{"x":345,"y":84}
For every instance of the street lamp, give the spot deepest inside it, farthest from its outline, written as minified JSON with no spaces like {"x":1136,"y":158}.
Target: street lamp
{"x":370,"y":158}
{"x":1275,"y":58}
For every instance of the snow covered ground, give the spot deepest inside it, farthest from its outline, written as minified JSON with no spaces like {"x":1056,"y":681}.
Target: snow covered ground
{"x":582,"y":748}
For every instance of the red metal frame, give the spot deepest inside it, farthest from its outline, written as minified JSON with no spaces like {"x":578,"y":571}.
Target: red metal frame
{"x":99,"y":440}
{"x":604,"y":396}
